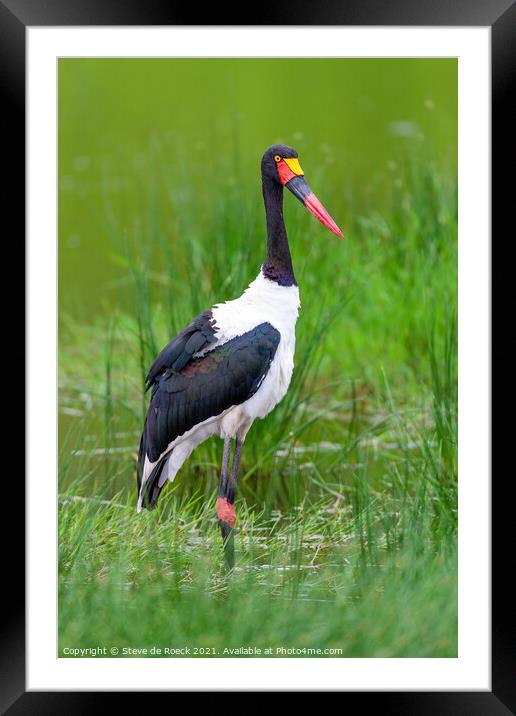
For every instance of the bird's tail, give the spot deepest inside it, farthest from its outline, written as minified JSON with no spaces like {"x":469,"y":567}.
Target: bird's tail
{"x":149,"y":487}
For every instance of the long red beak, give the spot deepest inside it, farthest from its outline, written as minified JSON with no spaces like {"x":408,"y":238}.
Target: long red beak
{"x":298,"y":186}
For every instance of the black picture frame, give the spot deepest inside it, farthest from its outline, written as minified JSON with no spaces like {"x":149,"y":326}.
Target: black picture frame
{"x":500,"y":15}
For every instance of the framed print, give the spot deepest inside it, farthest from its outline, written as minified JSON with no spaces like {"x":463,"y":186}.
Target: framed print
{"x":277,"y":235}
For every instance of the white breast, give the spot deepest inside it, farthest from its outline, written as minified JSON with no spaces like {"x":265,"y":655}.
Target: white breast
{"x":264,"y":300}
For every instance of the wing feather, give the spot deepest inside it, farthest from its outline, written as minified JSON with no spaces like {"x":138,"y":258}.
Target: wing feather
{"x":179,"y":352}
{"x":226,"y":376}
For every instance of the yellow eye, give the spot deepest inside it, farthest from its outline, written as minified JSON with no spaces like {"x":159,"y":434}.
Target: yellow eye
{"x":277,"y":158}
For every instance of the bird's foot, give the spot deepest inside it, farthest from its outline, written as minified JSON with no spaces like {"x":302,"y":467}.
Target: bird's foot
{"x":225,"y":511}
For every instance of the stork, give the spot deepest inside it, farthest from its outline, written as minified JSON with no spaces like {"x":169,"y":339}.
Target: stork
{"x":234,"y":362}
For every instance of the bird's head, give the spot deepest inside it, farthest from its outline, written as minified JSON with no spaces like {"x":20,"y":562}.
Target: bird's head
{"x":280,"y":164}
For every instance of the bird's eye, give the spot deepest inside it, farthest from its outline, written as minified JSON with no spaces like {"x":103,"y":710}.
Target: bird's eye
{"x":277,"y":158}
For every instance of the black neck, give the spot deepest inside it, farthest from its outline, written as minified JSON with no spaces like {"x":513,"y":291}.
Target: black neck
{"x":278,"y":265}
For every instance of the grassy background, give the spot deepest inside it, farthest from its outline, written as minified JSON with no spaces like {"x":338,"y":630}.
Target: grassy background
{"x":347,"y":498}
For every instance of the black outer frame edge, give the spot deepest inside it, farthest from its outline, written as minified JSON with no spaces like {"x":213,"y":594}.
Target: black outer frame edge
{"x":503,"y":39}
{"x":287,"y":12}
{"x":12,"y":103}
{"x":385,"y":703}
{"x":367,"y":12}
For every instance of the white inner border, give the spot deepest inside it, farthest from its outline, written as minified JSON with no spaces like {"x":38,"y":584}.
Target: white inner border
{"x":471,"y":670}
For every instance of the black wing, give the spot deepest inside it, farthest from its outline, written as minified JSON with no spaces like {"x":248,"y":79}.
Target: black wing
{"x":176,"y":354}
{"x":228,"y":375}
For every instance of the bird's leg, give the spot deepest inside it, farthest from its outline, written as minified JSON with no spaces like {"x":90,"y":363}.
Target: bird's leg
{"x":234,"y":476}
{"x":221,"y":504}
{"x":226,"y":502}
{"x":224,"y":469}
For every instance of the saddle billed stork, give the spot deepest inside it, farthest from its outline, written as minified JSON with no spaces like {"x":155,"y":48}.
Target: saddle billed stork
{"x":234,"y":362}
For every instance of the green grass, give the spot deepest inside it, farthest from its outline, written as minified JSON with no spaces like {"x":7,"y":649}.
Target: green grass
{"x":347,"y":500}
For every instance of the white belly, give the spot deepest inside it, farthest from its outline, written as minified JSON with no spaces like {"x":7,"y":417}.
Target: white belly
{"x":275,"y":384}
